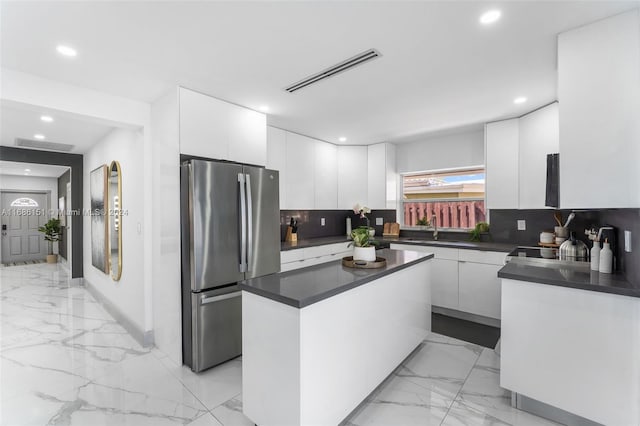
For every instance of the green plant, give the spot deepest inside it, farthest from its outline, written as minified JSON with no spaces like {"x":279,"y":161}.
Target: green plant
{"x":478,"y":230}
{"x":52,"y":232}
{"x":361,"y":237}
{"x":422,"y":221}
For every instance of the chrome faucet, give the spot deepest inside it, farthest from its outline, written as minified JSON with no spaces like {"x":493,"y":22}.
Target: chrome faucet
{"x":435,"y":227}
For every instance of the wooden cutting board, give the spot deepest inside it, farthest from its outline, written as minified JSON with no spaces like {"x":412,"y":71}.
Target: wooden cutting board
{"x":391,"y":229}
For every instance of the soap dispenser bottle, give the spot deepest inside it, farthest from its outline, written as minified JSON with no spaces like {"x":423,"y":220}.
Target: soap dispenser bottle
{"x":595,"y":255}
{"x":606,"y":258}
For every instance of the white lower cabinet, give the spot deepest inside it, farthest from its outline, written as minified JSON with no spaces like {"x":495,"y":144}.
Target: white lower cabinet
{"x":464,"y":280}
{"x":479,"y":289}
{"x":303,"y":257}
{"x":444,"y":283}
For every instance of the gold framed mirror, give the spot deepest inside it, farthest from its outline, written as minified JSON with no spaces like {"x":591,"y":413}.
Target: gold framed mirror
{"x":115,"y":220}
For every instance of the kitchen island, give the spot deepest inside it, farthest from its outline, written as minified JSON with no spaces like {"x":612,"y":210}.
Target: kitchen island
{"x":318,"y":340}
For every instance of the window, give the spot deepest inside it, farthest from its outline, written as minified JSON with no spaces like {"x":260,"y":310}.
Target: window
{"x":454,"y":197}
{"x":24,"y":202}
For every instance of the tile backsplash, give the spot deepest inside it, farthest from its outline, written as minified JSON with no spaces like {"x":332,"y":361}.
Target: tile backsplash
{"x":504,"y":229}
{"x":309,"y":221}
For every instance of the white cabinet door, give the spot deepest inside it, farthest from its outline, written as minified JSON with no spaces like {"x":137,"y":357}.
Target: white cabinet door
{"x":216,"y":129}
{"x":599,"y":95}
{"x":382,"y":177}
{"x":501,"y":163}
{"x":479,"y":289}
{"x":300,"y":188}
{"x":539,"y":136}
{"x":277,"y":157}
{"x":247,"y":136}
{"x":326,"y":175}
{"x":444,"y":283}
{"x":204,"y":130}
{"x":352,"y":176}
{"x":377,"y":179}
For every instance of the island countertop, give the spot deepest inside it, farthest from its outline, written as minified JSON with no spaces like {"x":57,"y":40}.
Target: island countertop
{"x":305,"y":286}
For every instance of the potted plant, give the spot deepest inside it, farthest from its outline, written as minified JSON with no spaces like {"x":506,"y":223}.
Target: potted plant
{"x":423,"y":223}
{"x":52,"y":233}
{"x":364,"y":246}
{"x":475,"y":233}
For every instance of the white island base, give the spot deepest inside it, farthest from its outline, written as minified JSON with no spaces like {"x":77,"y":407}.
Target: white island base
{"x":314,"y":365}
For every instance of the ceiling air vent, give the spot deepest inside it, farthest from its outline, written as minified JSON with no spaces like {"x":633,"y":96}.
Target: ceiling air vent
{"x":336,"y":69}
{"x":49,"y":146}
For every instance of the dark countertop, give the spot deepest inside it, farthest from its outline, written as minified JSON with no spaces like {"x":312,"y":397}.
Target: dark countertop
{"x":582,"y":279}
{"x":305,"y":286}
{"x":312,"y":242}
{"x":468,"y":245}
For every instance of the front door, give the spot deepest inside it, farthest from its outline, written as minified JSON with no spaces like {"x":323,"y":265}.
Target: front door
{"x":22,"y":214}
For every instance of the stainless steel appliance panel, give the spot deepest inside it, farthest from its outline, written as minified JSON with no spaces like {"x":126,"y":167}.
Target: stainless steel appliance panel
{"x":263,"y":233}
{"x":215,"y":224}
{"x":217,"y":326}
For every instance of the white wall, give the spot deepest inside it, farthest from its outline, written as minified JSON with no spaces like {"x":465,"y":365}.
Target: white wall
{"x":33,"y":183}
{"x":442,"y":152}
{"x":127,"y":295}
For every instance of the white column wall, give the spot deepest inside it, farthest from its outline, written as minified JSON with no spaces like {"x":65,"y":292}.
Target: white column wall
{"x":128,"y":294}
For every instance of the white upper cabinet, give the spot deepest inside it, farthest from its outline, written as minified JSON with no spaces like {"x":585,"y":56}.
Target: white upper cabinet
{"x":300,"y":172}
{"x":203,"y":125}
{"x":352,"y":176}
{"x":216,"y":129}
{"x":277,"y":158}
{"x":501,"y":164}
{"x":382,"y":178}
{"x":326,"y":175}
{"x":599,"y":95}
{"x":539,"y":133}
{"x":247,"y":136}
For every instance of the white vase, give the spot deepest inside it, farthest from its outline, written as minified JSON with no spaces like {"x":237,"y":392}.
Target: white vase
{"x":364,"y":253}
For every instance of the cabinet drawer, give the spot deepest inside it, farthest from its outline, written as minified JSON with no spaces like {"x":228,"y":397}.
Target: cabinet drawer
{"x":291,"y":255}
{"x":486,"y":257}
{"x":438,"y":252}
{"x":325,"y":250}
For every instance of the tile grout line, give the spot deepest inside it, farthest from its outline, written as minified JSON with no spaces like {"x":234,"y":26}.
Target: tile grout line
{"x":461,"y":387}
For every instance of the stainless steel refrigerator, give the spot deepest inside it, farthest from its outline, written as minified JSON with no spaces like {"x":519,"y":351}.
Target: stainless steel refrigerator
{"x":230,"y":221}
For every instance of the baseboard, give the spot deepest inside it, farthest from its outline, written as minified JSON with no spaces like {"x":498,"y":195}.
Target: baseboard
{"x":547,"y":411}
{"x":145,"y":338}
{"x":466,"y":316}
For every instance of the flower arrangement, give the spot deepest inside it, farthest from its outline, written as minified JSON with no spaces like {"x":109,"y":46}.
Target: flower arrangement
{"x":362,"y":211}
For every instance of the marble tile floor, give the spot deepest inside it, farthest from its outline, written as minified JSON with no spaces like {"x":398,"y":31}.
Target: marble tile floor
{"x":65,"y":361}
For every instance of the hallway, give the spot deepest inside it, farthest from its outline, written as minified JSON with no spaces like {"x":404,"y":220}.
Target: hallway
{"x":64,"y":360}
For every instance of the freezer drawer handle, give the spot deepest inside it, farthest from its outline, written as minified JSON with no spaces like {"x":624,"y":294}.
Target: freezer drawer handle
{"x":243,"y":224}
{"x":249,"y":224}
{"x":206,"y":300}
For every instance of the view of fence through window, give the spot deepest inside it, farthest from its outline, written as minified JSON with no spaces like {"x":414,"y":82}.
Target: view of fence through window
{"x":454,"y":197}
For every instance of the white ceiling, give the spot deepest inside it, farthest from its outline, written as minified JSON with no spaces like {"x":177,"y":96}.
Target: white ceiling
{"x":20,"y":121}
{"x":440,"y":68}
{"x":39,"y":170}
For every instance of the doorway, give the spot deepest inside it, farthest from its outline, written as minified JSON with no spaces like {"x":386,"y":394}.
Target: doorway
{"x":22,"y":214}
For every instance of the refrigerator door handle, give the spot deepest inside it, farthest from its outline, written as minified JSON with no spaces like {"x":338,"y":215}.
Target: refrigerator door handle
{"x":249,"y":224}
{"x":211,"y":299}
{"x":243,"y":223}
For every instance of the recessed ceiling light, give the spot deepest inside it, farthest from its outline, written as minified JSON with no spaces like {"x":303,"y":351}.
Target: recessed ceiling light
{"x":66,"y":50}
{"x":264,"y":108}
{"x":520,"y":100}
{"x":490,"y":17}
{"x":46,"y":118}
{"x":27,"y":170}
{"x":38,"y":136}
{"x":342,"y":139}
